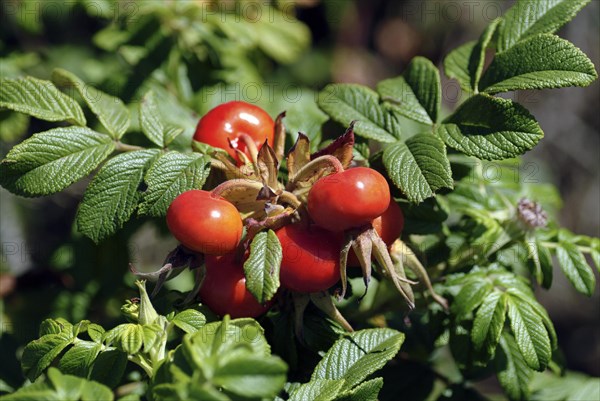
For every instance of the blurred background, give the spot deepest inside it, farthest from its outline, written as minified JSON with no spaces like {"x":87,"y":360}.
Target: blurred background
{"x":198,"y":54}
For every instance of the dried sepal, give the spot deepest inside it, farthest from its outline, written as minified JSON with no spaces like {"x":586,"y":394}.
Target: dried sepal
{"x":298,"y":156}
{"x":343,"y":267}
{"x":341,"y":148}
{"x":393,"y":271}
{"x":244,"y":195}
{"x":279,"y":138}
{"x":324,"y":302}
{"x":312,"y":171}
{"x":402,"y":252}
{"x":268,"y":166}
{"x":300,"y":303}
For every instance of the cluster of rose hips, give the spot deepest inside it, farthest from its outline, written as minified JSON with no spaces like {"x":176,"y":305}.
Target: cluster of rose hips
{"x":338,"y":203}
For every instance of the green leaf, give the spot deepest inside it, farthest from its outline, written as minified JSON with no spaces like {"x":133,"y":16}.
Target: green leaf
{"x":419,"y":166}
{"x":491,"y":128}
{"x":128,"y":337}
{"x":13,"y":125}
{"x":489,"y":322}
{"x":50,"y":161}
{"x":529,"y":298}
{"x":345,"y":103}
{"x":317,"y":390}
{"x":417,"y":94}
{"x":40,"y":353}
{"x":280,"y":36}
{"x":513,"y":373}
{"x":366,"y":391}
{"x":75,"y":388}
{"x":456,"y":65}
{"x":113,"y":194}
{"x":530,"y":333}
{"x":357,"y":355}
{"x":111,"y":111}
{"x":78,"y":359}
{"x":477,"y":57}
{"x":38,"y":391}
{"x":169,"y":176}
{"x":540,"y":62}
{"x":541,"y":259}
{"x":52,"y":326}
{"x":61,"y":387}
{"x":40,"y":99}
{"x":109,"y":367}
{"x":189,"y":320}
{"x":470,"y":296}
{"x":150,"y":120}
{"x":251,"y":375}
{"x":262,"y":266}
{"x":95,"y":332}
{"x":532,"y":17}
{"x":574,"y":266}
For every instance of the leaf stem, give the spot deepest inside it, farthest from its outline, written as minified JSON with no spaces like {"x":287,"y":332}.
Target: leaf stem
{"x":124,"y":147}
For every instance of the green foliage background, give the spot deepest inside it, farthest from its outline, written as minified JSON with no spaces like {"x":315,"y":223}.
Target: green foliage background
{"x":191,"y":59}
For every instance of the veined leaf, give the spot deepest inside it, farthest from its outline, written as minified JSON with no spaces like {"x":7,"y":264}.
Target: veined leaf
{"x":530,"y":333}
{"x":345,"y":103}
{"x":40,"y":99}
{"x":513,"y":373}
{"x":419,"y":166}
{"x":573,"y":264}
{"x":78,"y":360}
{"x":317,"y":390}
{"x":456,"y":65}
{"x":541,"y":259}
{"x":150,"y":120}
{"x":489,"y":322}
{"x":358,"y":355}
{"x":169,"y":176}
{"x":111,"y":111}
{"x":251,"y":375}
{"x":50,"y":161}
{"x":542,"y":61}
{"x":417,"y":94}
{"x":477,"y":58}
{"x":113,"y":194}
{"x":532,"y":17}
{"x":40,"y":353}
{"x":189,"y":320}
{"x":465,"y":63}
{"x":109,"y":367}
{"x":491,"y":128}
{"x":263,"y":264}
{"x":470,"y":296}
{"x":366,"y":391}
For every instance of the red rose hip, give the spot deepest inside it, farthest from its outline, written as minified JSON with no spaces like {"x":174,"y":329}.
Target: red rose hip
{"x":229,"y":121}
{"x":348,"y":199}
{"x":205,"y":223}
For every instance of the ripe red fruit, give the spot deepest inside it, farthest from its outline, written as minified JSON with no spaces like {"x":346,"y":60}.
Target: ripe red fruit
{"x":389,"y":227}
{"x":348,"y":199}
{"x":224,"y":288}
{"x":311,"y":258}
{"x":228,"y":121}
{"x":205,"y":223}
